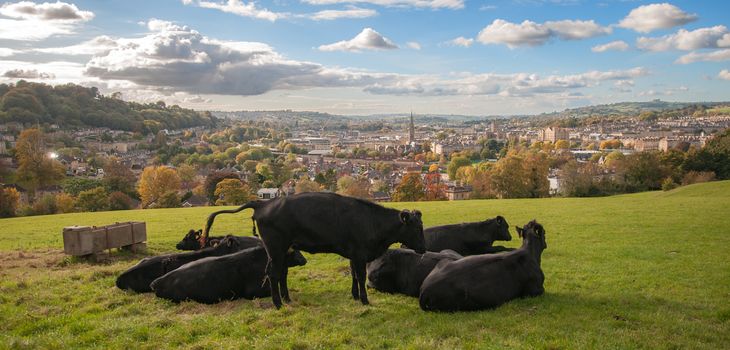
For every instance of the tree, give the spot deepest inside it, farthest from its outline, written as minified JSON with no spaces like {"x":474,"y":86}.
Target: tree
{"x":169,"y":199}
{"x":642,"y":171}
{"x":232,"y":192}
{"x":93,"y":200}
{"x":45,"y":205}
{"x":156,"y":182}
{"x":509,"y":178}
{"x":36,"y":168}
{"x":715,"y":156}
{"x":212,"y":180}
{"x":481,"y":184}
{"x":65,"y":203}
{"x":455,"y":164}
{"x":119,"y":201}
{"x":410,"y":189}
{"x":187,"y":174}
{"x":75,"y":185}
{"x":9,"y":201}
{"x":435,"y":189}
{"x":118,"y":177}
{"x":562,"y":144}
{"x":353,"y":187}
{"x":433,"y":168}
{"x":307,"y":185}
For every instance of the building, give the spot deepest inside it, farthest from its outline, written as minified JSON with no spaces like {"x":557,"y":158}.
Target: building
{"x":553,"y":134}
{"x":646,"y":144}
{"x":267,"y":193}
{"x":458,"y":192}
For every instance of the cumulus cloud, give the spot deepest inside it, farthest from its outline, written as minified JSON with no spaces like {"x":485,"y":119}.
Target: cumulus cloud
{"x":529,"y":33}
{"x":702,"y":38}
{"x":31,"y":21}
{"x":97,"y":45}
{"x":433,"y":4}
{"x":712,"y":56}
{"x":461,"y":41}
{"x":350,"y":12}
{"x":618,"y":45}
{"x":647,"y":18}
{"x":724,"y":74}
{"x":368,"y":39}
{"x":27,"y":74}
{"x":413,"y":45}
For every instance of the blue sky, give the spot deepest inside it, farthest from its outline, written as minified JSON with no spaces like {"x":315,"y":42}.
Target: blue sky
{"x":375,"y":56}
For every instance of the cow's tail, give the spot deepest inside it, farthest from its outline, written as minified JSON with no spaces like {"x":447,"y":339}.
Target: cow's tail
{"x":252,"y":204}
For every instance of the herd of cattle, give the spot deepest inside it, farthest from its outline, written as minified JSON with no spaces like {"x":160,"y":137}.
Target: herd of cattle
{"x":449,"y":268}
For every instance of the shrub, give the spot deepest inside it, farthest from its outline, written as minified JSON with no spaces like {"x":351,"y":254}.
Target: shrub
{"x":9,"y":202}
{"x":93,"y":200}
{"x":695,"y":177}
{"x":65,"y":203}
{"x":119,"y":201}
{"x":668,"y":184}
{"x":45,"y":205}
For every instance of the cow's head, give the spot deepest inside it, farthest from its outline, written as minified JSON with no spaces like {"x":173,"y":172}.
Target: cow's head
{"x":501,"y":232}
{"x":533,"y":234}
{"x":295,"y":258}
{"x":411,"y":230}
{"x":382,"y":272}
{"x":191,"y":241}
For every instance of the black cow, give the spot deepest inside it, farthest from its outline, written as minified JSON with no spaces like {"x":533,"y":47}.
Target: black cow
{"x":319,"y":222}
{"x":228,"y":277}
{"x":192,"y":241}
{"x":487,"y":281}
{"x":139,"y":277}
{"x":403,"y":270}
{"x":469,"y":238}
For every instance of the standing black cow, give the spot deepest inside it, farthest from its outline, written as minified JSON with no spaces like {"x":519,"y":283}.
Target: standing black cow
{"x":139,"y":277}
{"x":469,"y":238}
{"x":228,"y":277}
{"x":403,"y":270}
{"x":193,"y":241}
{"x":318,"y":222}
{"x":487,"y":281}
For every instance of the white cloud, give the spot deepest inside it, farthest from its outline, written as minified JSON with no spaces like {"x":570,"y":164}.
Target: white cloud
{"x":413,"y":45}
{"x":713,"y":56}
{"x":57,"y":71}
{"x":30,"y":21}
{"x":618,"y":45}
{"x":724,"y":74}
{"x":368,"y":39}
{"x":5,"y":52}
{"x":240,"y":8}
{"x":433,"y":4}
{"x":97,"y":45}
{"x":461,"y":41}
{"x":702,"y":38}
{"x":350,"y":12}
{"x":647,"y":18}
{"x":529,"y":33}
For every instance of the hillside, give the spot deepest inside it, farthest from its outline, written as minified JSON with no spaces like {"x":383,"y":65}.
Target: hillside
{"x":626,"y":109}
{"x":73,"y":106}
{"x":647,"y":270}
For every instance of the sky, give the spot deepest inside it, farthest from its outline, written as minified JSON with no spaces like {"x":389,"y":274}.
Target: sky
{"x":359,"y":57}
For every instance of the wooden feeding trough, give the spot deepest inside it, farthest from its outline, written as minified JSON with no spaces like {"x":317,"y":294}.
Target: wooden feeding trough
{"x":92,"y":241}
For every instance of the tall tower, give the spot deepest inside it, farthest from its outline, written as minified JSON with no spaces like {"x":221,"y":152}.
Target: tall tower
{"x":411,"y":131}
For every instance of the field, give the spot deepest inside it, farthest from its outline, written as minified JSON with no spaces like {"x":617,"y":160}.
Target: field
{"x":640,"y":271}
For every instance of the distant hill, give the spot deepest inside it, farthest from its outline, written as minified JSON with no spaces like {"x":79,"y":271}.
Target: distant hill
{"x":73,"y":106}
{"x":626,"y":109}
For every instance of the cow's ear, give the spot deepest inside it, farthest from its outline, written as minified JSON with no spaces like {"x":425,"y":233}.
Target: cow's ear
{"x":418,"y":214}
{"x":404,"y":215}
{"x":198,"y":233}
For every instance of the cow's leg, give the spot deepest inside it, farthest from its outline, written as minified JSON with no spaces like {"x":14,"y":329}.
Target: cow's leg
{"x":361,"y":273}
{"x":284,"y":290}
{"x":276,"y":249}
{"x":355,"y":288}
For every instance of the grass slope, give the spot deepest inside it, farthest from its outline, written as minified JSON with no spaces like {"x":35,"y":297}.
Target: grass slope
{"x":648,"y":270}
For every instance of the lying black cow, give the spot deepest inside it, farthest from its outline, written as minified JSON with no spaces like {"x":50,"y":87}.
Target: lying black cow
{"x":318,"y":222}
{"x":470,"y":238}
{"x":139,"y":277}
{"x":193,"y":241}
{"x":228,"y":277}
{"x":403,"y":270}
{"x":487,"y":281}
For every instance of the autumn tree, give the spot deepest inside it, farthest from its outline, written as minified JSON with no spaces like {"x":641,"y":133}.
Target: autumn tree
{"x":353,"y":187}
{"x":35,"y":167}
{"x":435,"y":188}
{"x":232,"y":192}
{"x":119,"y":201}
{"x":481,"y":184}
{"x":9,"y":201}
{"x":306,"y":185}
{"x":118,"y":177}
{"x":157,"y":182}
{"x":212,"y":180}
{"x":187,"y":174}
{"x":562,"y":144}
{"x":65,"y":203}
{"x":410,"y":189}
{"x":509,"y":177}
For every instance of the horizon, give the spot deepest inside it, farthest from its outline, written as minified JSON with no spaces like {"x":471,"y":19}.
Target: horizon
{"x":357,"y":58}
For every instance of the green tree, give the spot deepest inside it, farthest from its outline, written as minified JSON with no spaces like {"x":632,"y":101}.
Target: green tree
{"x":455,"y":164}
{"x":715,"y":156}
{"x":307,"y":185}
{"x":93,"y":200}
{"x":119,"y":201}
{"x":118,"y":177}
{"x":232,"y":192}
{"x":75,"y":185}
{"x":212,"y":180}
{"x":35,"y":167}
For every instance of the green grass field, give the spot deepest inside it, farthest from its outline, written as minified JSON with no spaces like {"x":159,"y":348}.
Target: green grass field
{"x":640,"y":271}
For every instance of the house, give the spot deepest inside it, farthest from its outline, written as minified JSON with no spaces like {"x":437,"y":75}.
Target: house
{"x":458,"y":192}
{"x":380,"y":197}
{"x":195,"y":201}
{"x":268,"y":193}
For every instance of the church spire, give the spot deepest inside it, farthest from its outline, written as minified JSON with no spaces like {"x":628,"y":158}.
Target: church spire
{"x":411,"y":131}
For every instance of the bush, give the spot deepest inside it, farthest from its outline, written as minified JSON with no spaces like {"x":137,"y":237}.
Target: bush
{"x":93,"y":200}
{"x":695,"y":177}
{"x":65,"y":203}
{"x":119,"y":201}
{"x":668,"y":184}
{"x":9,"y":201}
{"x":45,"y":205}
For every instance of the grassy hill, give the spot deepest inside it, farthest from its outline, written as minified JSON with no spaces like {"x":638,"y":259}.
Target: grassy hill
{"x":648,"y":270}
